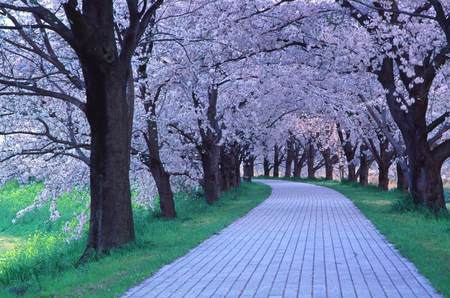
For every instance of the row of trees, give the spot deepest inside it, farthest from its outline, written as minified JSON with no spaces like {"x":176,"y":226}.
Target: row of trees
{"x":164,"y":94}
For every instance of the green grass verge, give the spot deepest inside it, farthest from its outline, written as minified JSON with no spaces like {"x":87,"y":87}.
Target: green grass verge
{"x":418,"y":235}
{"x":35,"y":261}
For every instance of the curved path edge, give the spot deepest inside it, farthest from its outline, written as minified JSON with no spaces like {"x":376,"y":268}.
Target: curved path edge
{"x":302,"y":241}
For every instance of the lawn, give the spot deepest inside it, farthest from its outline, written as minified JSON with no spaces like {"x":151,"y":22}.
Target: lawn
{"x":35,"y":261}
{"x":418,"y":235}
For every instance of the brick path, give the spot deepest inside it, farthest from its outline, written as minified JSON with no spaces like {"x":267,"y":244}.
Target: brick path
{"x":303,"y":241}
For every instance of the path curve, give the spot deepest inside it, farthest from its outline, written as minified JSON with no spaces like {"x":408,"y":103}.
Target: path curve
{"x":303,"y":241}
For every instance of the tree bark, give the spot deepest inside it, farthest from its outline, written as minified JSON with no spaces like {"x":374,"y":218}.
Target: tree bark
{"x":162,"y":181}
{"x":349,"y":151}
{"x":266,"y":166}
{"x":153,"y":159}
{"x":298,"y":165}
{"x":211,"y":181}
{"x":364,"y":166}
{"x":248,"y":170}
{"x":159,"y":173}
{"x":427,"y":187}
{"x":383,"y":157}
{"x":209,"y":149}
{"x":383,"y":177}
{"x":237,"y":172}
{"x":289,"y":157}
{"x":328,"y":163}
{"x":310,"y":161}
{"x":226,"y":168}
{"x":276,"y":161}
{"x":109,"y":113}
{"x":402,"y":179}
{"x":351,"y":172}
{"x":424,"y":163}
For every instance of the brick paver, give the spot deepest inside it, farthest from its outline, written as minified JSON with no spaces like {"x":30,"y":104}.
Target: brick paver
{"x":303,"y":241}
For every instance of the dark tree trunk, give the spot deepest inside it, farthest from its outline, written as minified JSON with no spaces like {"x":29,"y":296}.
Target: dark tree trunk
{"x":247,"y":171}
{"x":237,"y":172}
{"x":310,"y":161}
{"x":383,"y":157}
{"x":351,"y":172}
{"x":290,"y":152}
{"x":209,"y":149}
{"x":249,"y":167}
{"x":266,"y":166}
{"x":162,"y":181}
{"x":226,"y":168}
{"x":288,"y":168}
{"x":110,"y":113}
{"x":109,"y":110}
{"x":424,"y":163}
{"x":159,"y":173}
{"x":383,"y":177}
{"x":211,"y":181}
{"x":349,"y":151}
{"x":276,"y":162}
{"x":402,"y":179}
{"x":328,"y":160}
{"x":153,"y":159}
{"x":298,"y":165}
{"x":426,"y":182}
{"x":364,"y":166}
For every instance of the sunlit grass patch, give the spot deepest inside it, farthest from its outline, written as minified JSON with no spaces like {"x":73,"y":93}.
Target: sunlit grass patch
{"x":42,"y":265}
{"x":8,"y":243}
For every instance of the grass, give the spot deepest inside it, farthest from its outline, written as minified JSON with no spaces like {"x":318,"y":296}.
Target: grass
{"x":417,"y":234}
{"x":41,"y":264}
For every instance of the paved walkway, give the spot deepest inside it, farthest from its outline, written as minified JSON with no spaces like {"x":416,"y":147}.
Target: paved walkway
{"x":303,"y":241}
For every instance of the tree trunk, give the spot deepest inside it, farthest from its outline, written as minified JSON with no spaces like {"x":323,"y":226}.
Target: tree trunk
{"x":162,"y":181}
{"x":247,"y":171}
{"x":159,"y":173}
{"x":424,"y":163}
{"x":252,"y":167}
{"x":153,"y":160}
{"x":110,"y":114}
{"x":289,"y":157}
{"x":383,"y":157}
{"x":402,"y":179}
{"x":328,"y":163}
{"x":211,"y":181}
{"x":364,"y":166}
{"x":266,"y":166}
{"x":351,"y":175}
{"x":424,"y":167}
{"x":226,"y":169}
{"x":310,"y":162}
{"x":288,"y":168}
{"x":427,"y":187}
{"x":383,"y":176}
{"x":276,"y":162}
{"x":237,"y":172}
{"x":298,"y":165}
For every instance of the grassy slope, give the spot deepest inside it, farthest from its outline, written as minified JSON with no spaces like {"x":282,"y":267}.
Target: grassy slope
{"x":159,"y":242}
{"x":418,"y":236}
